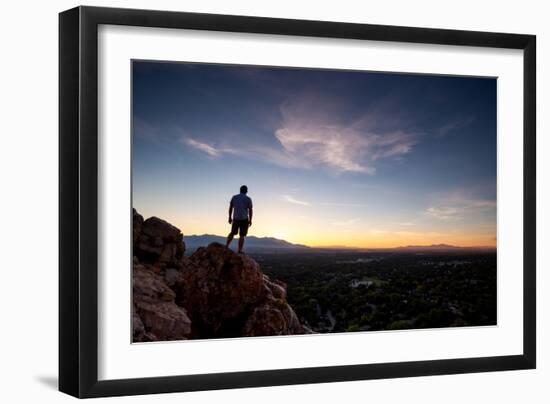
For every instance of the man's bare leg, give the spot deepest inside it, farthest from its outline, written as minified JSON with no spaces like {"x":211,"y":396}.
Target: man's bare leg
{"x":229,"y":240}
{"x":241,"y":243}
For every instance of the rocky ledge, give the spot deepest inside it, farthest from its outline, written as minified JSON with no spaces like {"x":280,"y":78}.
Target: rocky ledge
{"x":214,"y":293}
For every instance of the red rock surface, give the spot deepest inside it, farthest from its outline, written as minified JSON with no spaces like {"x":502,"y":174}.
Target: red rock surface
{"x":156,"y":316}
{"x":215,"y":293}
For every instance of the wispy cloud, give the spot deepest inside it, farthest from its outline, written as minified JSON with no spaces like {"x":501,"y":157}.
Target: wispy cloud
{"x":291,"y":199}
{"x":457,"y":211}
{"x":314,"y":131}
{"x":425,"y":234}
{"x":204,"y":147}
{"x":443,"y":213}
{"x":249,"y":151}
{"x":482,"y":204}
{"x":454,"y":125}
{"x":346,"y":223}
{"x":403,"y":233}
{"x":313,"y":134}
{"x":344,"y":204}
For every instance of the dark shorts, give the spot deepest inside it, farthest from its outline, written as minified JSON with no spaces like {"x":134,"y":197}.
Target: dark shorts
{"x":239,"y":226}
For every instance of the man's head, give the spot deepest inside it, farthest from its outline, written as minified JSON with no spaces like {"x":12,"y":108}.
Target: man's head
{"x":244,"y":189}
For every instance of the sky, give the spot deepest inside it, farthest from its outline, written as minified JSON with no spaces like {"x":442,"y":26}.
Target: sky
{"x":330,"y":157}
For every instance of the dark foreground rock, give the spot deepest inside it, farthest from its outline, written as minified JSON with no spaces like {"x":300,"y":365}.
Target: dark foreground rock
{"x":215,"y":293}
{"x":157,"y":242}
{"x":156,"y":315}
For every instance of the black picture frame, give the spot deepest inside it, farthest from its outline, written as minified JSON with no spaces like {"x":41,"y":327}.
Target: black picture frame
{"x":78,"y":201}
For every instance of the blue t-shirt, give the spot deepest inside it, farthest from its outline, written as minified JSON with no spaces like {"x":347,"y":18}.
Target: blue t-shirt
{"x":241,"y":203}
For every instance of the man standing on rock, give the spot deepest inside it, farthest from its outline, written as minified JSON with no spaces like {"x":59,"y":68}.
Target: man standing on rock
{"x":240,"y":217}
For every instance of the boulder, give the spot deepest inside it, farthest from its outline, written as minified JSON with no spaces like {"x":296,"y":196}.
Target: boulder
{"x":136,"y":226}
{"x":163,"y":321}
{"x":220,"y":288}
{"x":158,"y":228}
{"x":275,"y":287}
{"x":156,"y":241}
{"x":137,"y":325}
{"x":273,"y":317}
{"x":156,"y":316}
{"x":149,"y":286}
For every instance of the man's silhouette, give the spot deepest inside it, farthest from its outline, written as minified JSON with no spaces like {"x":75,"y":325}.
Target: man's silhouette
{"x":240,"y":217}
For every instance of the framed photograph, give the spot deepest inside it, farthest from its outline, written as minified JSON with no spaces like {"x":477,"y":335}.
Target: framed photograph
{"x":250,"y":201}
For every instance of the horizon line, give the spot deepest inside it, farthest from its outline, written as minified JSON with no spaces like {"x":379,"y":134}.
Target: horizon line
{"x":433,"y":245}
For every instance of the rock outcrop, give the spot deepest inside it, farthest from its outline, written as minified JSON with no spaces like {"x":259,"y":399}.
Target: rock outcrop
{"x":157,"y":242}
{"x":155,"y":314}
{"x":215,"y":293}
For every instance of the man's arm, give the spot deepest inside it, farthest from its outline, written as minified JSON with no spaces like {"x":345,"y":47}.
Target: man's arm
{"x":250,"y":216}
{"x":230,"y":211}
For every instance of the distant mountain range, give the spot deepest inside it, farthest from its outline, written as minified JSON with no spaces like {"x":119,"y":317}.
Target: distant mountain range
{"x":271,"y":244}
{"x":414,"y":249}
{"x":441,"y":248}
{"x":252,"y":243}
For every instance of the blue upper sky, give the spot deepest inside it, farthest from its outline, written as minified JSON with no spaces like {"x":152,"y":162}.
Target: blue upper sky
{"x":331,"y":157}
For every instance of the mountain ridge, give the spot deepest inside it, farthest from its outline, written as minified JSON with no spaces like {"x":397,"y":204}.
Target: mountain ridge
{"x":252,"y":242}
{"x":443,"y":247}
{"x":265,"y":243}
